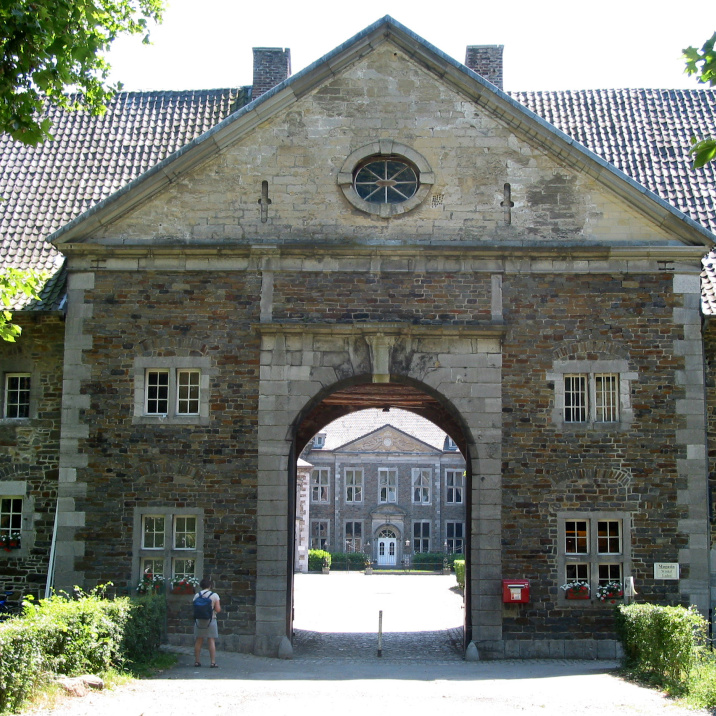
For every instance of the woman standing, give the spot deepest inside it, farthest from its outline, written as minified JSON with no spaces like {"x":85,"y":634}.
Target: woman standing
{"x":207,"y":628}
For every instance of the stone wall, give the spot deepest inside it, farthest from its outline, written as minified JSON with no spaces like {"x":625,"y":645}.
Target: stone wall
{"x":29,"y":449}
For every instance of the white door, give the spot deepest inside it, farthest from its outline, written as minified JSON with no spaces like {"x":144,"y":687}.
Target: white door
{"x":386,"y":551}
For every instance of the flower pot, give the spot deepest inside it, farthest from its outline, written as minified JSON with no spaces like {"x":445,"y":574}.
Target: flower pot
{"x":577,"y":594}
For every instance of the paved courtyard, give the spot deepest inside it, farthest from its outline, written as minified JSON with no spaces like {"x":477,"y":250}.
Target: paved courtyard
{"x":337,"y":615}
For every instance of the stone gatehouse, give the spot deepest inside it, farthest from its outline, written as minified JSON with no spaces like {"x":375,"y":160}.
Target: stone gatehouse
{"x":384,"y":229}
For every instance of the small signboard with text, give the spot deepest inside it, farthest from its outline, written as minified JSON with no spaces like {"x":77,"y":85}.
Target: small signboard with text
{"x":666,"y":570}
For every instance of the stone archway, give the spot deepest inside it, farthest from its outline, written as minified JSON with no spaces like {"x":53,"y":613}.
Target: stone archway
{"x":311,"y":374}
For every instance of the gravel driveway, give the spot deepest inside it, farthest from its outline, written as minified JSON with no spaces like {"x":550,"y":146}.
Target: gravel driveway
{"x":336,"y":671}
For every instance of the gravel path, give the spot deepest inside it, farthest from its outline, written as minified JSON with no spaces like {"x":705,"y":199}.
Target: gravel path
{"x":335,"y":669}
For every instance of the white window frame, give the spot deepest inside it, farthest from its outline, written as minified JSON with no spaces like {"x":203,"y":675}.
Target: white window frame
{"x":456,"y":489}
{"x":318,"y":541}
{"x":353,"y":543}
{"x":421,"y":540}
{"x":188,"y":397}
{"x":421,"y":485}
{"x":593,"y":554}
{"x":25,"y":403}
{"x":320,"y":484}
{"x":592,"y":372}
{"x":387,"y":485}
{"x":353,"y":477}
{"x":171,"y":552}
{"x":457,"y":526}
{"x":175,"y":368}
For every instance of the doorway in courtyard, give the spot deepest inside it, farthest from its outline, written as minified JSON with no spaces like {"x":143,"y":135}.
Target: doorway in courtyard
{"x":381,"y":501}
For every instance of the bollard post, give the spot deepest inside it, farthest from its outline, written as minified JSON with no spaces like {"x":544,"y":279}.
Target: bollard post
{"x":380,"y":633}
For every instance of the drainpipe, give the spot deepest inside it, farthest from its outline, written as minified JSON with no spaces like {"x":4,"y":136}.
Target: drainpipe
{"x":51,"y":564}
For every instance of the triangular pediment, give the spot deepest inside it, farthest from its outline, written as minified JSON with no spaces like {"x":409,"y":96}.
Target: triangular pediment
{"x":278,"y":171}
{"x":388,"y":440}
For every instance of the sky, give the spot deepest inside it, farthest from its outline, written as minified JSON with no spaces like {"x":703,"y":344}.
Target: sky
{"x":549,"y":45}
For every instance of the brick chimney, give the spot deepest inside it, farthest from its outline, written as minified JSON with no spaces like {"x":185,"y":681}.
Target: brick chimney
{"x":272,"y":65}
{"x":486,"y":60}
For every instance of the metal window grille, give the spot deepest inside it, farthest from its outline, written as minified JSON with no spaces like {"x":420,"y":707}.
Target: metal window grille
{"x":575,"y":398}
{"x":606,"y":397}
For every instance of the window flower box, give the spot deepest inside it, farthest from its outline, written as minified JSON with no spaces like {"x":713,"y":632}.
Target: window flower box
{"x":150,"y":583}
{"x":610,"y":592}
{"x":184,"y":585}
{"x":10,"y":541}
{"x":576,"y":590}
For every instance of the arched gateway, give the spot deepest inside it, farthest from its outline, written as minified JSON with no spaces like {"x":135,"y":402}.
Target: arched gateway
{"x":313,"y":374}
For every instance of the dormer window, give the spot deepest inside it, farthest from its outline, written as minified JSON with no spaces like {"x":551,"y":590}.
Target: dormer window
{"x":450,"y":445}
{"x":319,"y":441}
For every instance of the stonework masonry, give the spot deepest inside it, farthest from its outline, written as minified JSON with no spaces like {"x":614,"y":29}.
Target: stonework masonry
{"x":278,"y":306}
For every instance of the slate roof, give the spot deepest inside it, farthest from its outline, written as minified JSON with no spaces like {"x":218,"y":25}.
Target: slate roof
{"x":644,"y":133}
{"x":90,"y":158}
{"x":363,"y":422}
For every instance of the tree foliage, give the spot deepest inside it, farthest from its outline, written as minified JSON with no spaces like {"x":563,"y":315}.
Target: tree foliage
{"x":50,"y":47}
{"x":702,"y":63}
{"x":14,"y":284}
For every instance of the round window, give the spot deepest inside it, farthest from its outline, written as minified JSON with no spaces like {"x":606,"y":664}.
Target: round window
{"x":385,"y":180}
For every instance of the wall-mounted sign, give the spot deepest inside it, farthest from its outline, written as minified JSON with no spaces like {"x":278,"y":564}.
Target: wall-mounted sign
{"x":666,"y":570}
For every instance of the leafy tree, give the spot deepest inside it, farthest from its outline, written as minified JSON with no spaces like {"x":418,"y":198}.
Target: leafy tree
{"x":14,"y":284}
{"x":50,"y":47}
{"x":702,"y":63}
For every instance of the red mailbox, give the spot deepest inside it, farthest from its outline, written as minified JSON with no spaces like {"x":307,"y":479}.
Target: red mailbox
{"x":515,"y":591}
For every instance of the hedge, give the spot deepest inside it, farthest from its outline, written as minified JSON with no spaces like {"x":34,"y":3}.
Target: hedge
{"x":316,"y":558}
{"x":661,"y":640}
{"x":354,"y":561}
{"x":61,"y":635}
{"x":426,"y":561}
{"x":459,"y":565}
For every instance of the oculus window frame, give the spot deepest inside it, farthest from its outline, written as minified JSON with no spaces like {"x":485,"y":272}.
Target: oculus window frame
{"x":386,"y":151}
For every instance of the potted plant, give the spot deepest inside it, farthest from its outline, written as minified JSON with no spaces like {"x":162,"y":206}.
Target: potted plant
{"x":150,"y":583}
{"x":10,"y":540}
{"x":184,"y":585}
{"x":610,"y":591}
{"x":368,"y":565}
{"x":576,"y":590}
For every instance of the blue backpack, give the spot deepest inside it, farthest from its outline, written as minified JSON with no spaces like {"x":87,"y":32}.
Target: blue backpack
{"x":203,"y":607}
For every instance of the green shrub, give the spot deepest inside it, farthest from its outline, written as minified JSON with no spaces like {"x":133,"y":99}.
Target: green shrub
{"x":21,"y":664}
{"x":459,"y":566}
{"x":144,"y":628}
{"x":355,"y":561}
{"x":316,"y":558}
{"x":431,"y":561}
{"x":74,"y":636}
{"x":659,"y":640}
{"x":702,"y":684}
{"x":79,"y":636}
